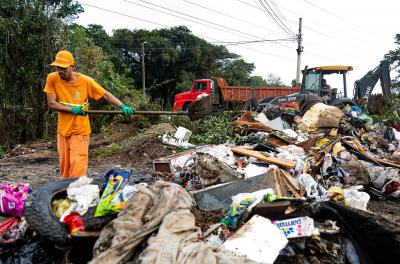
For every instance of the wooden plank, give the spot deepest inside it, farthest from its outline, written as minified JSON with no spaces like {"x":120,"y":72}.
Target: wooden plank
{"x":277,"y":141}
{"x":258,"y":155}
{"x":388,"y":163}
{"x":290,"y":180}
{"x":277,"y":184}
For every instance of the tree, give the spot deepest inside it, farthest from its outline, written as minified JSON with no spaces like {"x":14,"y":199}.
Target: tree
{"x":236,"y":71}
{"x":260,"y":81}
{"x":393,"y":56}
{"x":30,"y":34}
{"x":274,"y":80}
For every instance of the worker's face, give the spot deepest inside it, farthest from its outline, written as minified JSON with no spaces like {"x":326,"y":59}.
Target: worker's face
{"x":65,"y":73}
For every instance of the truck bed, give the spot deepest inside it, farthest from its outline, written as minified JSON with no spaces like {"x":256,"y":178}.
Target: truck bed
{"x":243,"y":93}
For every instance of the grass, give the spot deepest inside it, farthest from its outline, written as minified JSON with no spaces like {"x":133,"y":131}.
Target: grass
{"x":106,"y":151}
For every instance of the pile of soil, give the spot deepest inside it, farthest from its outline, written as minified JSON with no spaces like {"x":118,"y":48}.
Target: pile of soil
{"x":205,"y":219}
{"x":146,"y":149}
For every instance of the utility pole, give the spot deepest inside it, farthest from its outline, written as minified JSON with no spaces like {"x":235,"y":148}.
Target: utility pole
{"x":143,"y":74}
{"x":299,"y":51}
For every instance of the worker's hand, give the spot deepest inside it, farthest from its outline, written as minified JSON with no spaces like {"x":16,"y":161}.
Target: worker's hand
{"x":128,"y":111}
{"x":77,"y":110}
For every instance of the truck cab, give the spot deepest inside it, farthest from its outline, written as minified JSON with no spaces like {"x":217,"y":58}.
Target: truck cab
{"x":201,"y":86}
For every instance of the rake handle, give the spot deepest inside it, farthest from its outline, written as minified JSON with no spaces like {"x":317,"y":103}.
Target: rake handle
{"x":116,"y":112}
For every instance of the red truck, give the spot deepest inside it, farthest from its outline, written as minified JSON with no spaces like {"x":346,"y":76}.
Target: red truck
{"x":222,"y":93}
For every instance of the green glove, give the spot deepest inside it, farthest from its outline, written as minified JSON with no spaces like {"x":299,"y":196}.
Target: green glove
{"x":77,"y":110}
{"x":128,"y":111}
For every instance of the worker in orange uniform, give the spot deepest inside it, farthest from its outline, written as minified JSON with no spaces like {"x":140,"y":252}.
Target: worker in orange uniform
{"x":68,"y":93}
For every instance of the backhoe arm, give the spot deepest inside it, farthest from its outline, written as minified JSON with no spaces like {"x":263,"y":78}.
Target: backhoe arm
{"x":364,"y":86}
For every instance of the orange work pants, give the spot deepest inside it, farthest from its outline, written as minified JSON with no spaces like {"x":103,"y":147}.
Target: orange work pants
{"x":74,"y":155}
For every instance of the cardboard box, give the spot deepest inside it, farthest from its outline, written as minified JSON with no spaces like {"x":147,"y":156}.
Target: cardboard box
{"x":296,"y":227}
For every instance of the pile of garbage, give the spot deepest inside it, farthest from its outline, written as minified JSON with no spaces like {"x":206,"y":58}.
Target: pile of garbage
{"x":293,"y":188}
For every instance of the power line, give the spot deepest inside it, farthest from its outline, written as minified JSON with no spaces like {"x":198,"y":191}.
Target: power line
{"x":132,"y":17}
{"x":234,"y":30}
{"x":311,"y":29}
{"x":332,"y":14}
{"x":121,"y":14}
{"x":224,"y":43}
{"x":277,"y":9}
{"x":226,"y":15}
{"x":267,"y":8}
{"x":197,"y":22}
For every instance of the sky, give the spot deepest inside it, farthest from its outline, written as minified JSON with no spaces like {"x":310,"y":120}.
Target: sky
{"x":341,"y":32}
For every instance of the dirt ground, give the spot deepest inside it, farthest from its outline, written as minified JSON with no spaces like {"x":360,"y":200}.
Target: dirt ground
{"x":37,"y":163}
{"x":123,"y":146}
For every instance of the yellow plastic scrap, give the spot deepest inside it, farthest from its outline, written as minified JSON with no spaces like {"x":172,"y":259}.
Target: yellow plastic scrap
{"x":337,"y":147}
{"x":336,"y":194}
{"x":59,"y":206}
{"x":322,"y":142}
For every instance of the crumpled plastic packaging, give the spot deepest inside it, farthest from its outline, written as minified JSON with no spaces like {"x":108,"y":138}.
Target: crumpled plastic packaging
{"x":313,"y":189}
{"x":356,"y":199}
{"x":292,"y":152}
{"x":242,"y":204}
{"x":379,"y":175}
{"x":83,"y":195}
{"x":59,"y":206}
{"x":12,"y":198}
{"x":75,"y":223}
{"x":112,"y":199}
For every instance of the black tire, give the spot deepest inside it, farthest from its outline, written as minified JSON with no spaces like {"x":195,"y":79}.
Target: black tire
{"x":39,"y":215}
{"x":185,"y":107}
{"x":96,"y":223}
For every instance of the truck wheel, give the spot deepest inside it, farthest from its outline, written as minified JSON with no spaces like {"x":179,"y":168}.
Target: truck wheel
{"x":185,"y":107}
{"x":39,"y":215}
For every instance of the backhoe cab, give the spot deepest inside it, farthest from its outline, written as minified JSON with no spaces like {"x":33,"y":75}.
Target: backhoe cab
{"x":313,"y":82}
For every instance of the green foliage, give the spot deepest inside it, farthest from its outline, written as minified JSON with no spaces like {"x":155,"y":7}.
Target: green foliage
{"x":272,"y":80}
{"x":235,"y":71}
{"x":2,"y":151}
{"x":391,"y":116}
{"x":106,"y":151}
{"x":30,"y":34}
{"x":215,"y":128}
{"x":393,"y":56}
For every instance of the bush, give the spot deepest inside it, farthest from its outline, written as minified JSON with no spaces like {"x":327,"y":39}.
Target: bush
{"x":391,"y":116}
{"x":215,"y":128}
{"x":2,"y":151}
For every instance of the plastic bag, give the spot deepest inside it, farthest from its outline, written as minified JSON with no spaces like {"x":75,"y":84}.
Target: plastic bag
{"x":112,"y":199}
{"x":12,"y":198}
{"x":313,"y":189}
{"x":75,"y":223}
{"x":356,"y":199}
{"x":241,"y":206}
{"x":59,"y":206}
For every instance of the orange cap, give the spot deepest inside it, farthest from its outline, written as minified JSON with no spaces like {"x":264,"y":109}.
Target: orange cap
{"x":63,"y":59}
